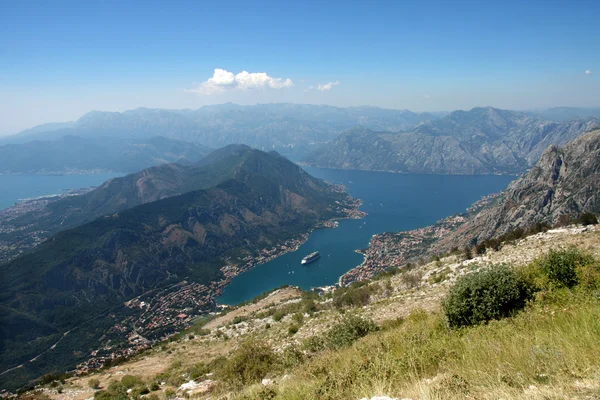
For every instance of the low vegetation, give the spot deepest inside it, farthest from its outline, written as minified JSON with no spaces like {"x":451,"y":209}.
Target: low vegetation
{"x":511,"y":332}
{"x":483,"y":296}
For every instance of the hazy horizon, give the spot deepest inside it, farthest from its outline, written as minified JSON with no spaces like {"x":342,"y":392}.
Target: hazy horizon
{"x":326,"y":105}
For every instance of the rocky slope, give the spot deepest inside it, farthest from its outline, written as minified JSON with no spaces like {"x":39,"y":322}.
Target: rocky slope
{"x":394,"y":301}
{"x":562,"y":185}
{"x":479,"y":141}
{"x":71,"y":283}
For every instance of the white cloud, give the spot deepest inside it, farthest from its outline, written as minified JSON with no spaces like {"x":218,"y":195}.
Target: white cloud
{"x":328,"y":86}
{"x":427,"y":96}
{"x":588,"y":72}
{"x":224,"y":80}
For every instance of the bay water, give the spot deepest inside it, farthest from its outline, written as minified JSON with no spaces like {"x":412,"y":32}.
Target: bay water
{"x":17,"y":187}
{"x":394,"y":202}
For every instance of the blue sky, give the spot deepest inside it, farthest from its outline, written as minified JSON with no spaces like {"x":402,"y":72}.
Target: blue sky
{"x":60,"y":59}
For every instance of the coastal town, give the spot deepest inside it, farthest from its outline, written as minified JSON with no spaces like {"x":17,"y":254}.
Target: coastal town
{"x":14,"y":240}
{"x":389,"y":250}
{"x":160,"y":315}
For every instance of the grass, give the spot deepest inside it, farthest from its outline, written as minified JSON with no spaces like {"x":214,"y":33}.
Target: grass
{"x":541,"y":353}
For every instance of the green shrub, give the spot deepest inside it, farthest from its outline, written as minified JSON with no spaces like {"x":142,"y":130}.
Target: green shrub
{"x":94,"y":383}
{"x":588,"y":276}
{"x":343,"y":334}
{"x":198,"y":370}
{"x":250,"y":363}
{"x":237,"y":319}
{"x":115,"y":391}
{"x":356,"y":295}
{"x":130,"y":381}
{"x":293,"y":329}
{"x":309,"y":306}
{"x":467,"y":254}
{"x":560,"y":266}
{"x":587,"y":219}
{"x":412,"y":279}
{"x":278,"y":315}
{"x":298,"y":318}
{"x":482,"y":296}
{"x":291,"y":357}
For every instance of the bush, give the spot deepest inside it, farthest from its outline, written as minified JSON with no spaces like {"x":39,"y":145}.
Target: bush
{"x":198,"y":370}
{"x":467,"y":253}
{"x":94,"y":383}
{"x":588,"y":276}
{"x":293,"y":329}
{"x":560,"y":266}
{"x":237,"y":319}
{"x":250,"y":363}
{"x":343,"y":334}
{"x":356,"y":295}
{"x":130,"y":381}
{"x":482,"y":296}
{"x":412,"y":279}
{"x":587,"y":219}
{"x":291,"y":357}
{"x":115,"y":391}
{"x":309,"y":306}
{"x":278,"y":315}
{"x":298,"y":318}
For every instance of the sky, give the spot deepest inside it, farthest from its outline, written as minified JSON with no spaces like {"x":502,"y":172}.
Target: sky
{"x":61,"y":59}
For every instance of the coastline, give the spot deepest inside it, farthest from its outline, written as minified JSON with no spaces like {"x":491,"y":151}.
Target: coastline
{"x":396,"y":249}
{"x":305,"y":164}
{"x":165,"y":311}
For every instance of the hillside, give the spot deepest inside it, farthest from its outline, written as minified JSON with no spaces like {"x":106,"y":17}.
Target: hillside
{"x":290,"y":129}
{"x":21,"y":232}
{"x":276,"y":346}
{"x":564,"y":184}
{"x":75,"y":284}
{"x":479,"y":141}
{"x":71,"y":154}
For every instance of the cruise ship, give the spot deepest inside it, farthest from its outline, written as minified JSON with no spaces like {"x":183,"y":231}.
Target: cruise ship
{"x":310,"y":258}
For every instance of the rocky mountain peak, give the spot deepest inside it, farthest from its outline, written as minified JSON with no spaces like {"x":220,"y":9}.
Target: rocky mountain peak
{"x":563,"y":184}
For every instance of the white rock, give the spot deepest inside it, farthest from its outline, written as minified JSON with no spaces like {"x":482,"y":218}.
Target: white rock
{"x":189,"y":385}
{"x":267,"y":382}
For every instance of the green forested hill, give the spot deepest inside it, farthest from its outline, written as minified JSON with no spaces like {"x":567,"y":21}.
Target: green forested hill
{"x":80,"y":274}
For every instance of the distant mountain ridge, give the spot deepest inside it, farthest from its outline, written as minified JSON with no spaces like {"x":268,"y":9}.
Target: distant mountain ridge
{"x":73,"y":154}
{"x":480,"y":141}
{"x":290,"y":129}
{"x":568,"y":113}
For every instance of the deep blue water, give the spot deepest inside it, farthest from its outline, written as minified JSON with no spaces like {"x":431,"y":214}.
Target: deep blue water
{"x":16,"y":187}
{"x":394,"y":202}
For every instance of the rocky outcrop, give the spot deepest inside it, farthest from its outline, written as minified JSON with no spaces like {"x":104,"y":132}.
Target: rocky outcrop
{"x":563,"y":184}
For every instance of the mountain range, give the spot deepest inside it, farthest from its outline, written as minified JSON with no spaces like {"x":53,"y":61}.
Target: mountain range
{"x":73,"y":154}
{"x":291,"y":129}
{"x":157,"y":228}
{"x":480,"y":141}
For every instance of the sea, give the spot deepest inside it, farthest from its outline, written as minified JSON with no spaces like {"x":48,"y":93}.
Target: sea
{"x":394,"y":202}
{"x":18,"y":187}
